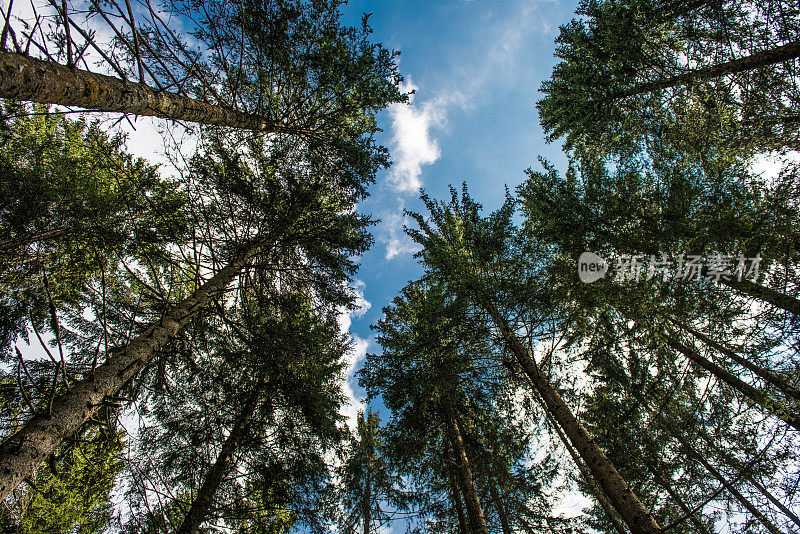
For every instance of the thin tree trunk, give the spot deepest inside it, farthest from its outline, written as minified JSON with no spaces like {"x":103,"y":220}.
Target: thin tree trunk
{"x":477,"y":520}
{"x":201,"y":505}
{"x":765,"y":294}
{"x":459,"y":507}
{"x":769,"y":377}
{"x":47,"y":235}
{"x":661,"y":481}
{"x":43,"y":433}
{"x":633,"y":512}
{"x":498,"y":505}
{"x":732,"y":380}
{"x":367,"y":508}
{"x":749,"y":477}
{"x":47,"y":82}
{"x":587,"y":476}
{"x":759,"y":59}
{"x":692,"y":453}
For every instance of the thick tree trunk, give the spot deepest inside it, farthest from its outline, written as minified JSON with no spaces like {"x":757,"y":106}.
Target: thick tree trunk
{"x":201,"y":505}
{"x":587,"y":476}
{"x":47,"y":82}
{"x":459,"y":507}
{"x":498,"y":505}
{"x":692,"y":453}
{"x":765,"y":294}
{"x":43,"y":433}
{"x":733,"y":381}
{"x":769,"y":377}
{"x":759,"y":59}
{"x":664,"y":483}
{"x":477,"y":520}
{"x":633,"y":512}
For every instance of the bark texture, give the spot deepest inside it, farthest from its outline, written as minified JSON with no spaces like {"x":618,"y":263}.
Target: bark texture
{"x":692,"y":453}
{"x":733,"y":381}
{"x":462,"y":521}
{"x":765,"y":374}
{"x":745,"y":471}
{"x":587,"y":476}
{"x":21,"y":452}
{"x":765,"y":294}
{"x":633,"y":512}
{"x":201,"y":505}
{"x":759,"y":59}
{"x":477,"y":520}
{"x":47,"y":82}
{"x":498,"y":505}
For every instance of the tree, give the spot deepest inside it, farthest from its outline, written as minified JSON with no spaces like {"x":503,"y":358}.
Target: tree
{"x":74,"y":490}
{"x":368,"y":485}
{"x":469,"y":252}
{"x":248,"y":453}
{"x":451,"y":432}
{"x":249,"y":64}
{"x":688,"y":74}
{"x":292,"y":200}
{"x":625,"y":329}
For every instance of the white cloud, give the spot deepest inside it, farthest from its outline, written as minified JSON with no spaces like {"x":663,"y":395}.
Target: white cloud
{"x":358,"y":352}
{"x":412,"y":143}
{"x":352,"y":404}
{"x":397,"y":242}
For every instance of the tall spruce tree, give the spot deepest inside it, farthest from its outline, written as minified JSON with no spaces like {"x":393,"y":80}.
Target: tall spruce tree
{"x":685,"y":73}
{"x":293,"y":180}
{"x":480,"y":259}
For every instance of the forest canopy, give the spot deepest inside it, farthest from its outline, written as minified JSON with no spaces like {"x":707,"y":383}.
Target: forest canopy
{"x":174,"y":347}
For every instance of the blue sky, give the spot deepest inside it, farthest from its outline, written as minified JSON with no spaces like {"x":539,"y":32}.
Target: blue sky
{"x":476,"y":68}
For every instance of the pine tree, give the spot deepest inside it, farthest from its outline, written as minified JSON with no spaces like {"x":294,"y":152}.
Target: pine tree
{"x":688,"y":74}
{"x":248,"y":453}
{"x":368,"y":487}
{"x":475,"y":256}
{"x":449,"y":433}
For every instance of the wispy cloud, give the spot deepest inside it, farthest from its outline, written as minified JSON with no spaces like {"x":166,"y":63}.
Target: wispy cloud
{"x":396,"y":240}
{"x":412,"y":142}
{"x":352,"y":404}
{"x":415,"y":125}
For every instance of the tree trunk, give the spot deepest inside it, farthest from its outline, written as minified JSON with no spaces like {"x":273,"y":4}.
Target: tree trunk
{"x":21,"y":452}
{"x":765,"y":294}
{"x":474,"y":511}
{"x":750,"y":478}
{"x":47,"y":82}
{"x":732,"y":380}
{"x":47,"y":235}
{"x":769,"y":377}
{"x":661,"y":481}
{"x":498,"y":505}
{"x":692,"y":453}
{"x":462,"y":522}
{"x":587,"y":476}
{"x":633,"y":512}
{"x":759,"y":59}
{"x":367,"y":504}
{"x":201,"y":505}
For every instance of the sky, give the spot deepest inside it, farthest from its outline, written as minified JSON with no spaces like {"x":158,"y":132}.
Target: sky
{"x":476,"y":68}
